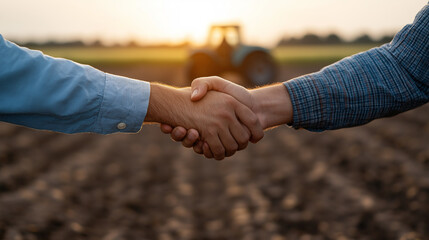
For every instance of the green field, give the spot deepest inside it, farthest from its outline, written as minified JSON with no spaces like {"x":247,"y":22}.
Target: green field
{"x":283,"y":55}
{"x":101,"y":55}
{"x":316,"y":54}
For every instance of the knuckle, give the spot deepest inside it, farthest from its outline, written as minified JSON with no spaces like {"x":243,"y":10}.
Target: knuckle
{"x":197,"y":150}
{"x":229,"y":154}
{"x":259,"y":136}
{"x":186,"y":144}
{"x":218,"y":155}
{"x":234,"y":147}
{"x":243,"y":146}
{"x":243,"y":138}
{"x":225,"y":114}
{"x":231,"y":151}
{"x":254,"y":120}
{"x":218,"y":150}
{"x":207,"y":153}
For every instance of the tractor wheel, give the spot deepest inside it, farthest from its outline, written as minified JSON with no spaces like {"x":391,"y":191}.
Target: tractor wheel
{"x":258,"y":69}
{"x":201,"y":65}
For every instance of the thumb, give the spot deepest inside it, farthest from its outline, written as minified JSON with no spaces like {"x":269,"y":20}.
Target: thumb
{"x":199,"y":88}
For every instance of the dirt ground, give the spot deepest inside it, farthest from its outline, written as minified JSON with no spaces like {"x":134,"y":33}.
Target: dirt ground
{"x":369,"y":182}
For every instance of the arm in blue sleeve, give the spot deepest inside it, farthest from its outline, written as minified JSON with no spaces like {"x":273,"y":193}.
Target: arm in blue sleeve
{"x":42,"y":92}
{"x":381,"y":82}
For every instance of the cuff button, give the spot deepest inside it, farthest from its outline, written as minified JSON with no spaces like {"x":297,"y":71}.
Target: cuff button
{"x":121,"y":126}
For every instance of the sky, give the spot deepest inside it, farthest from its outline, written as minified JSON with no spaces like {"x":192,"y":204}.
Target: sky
{"x":173,"y":21}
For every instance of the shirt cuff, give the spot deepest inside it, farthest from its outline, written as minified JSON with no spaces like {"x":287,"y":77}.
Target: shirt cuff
{"x":124,"y":105}
{"x":309,"y":110}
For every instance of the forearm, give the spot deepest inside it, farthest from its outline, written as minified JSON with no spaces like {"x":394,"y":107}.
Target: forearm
{"x":377,"y":83}
{"x":353,"y":92}
{"x":272,"y":105}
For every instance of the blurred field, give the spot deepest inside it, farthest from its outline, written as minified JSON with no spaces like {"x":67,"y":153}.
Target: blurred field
{"x":316,"y":54}
{"x":369,"y":182}
{"x":122,"y":56}
{"x":177,"y":55}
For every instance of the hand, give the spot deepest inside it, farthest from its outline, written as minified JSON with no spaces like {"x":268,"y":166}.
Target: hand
{"x":271,"y":104}
{"x":200,"y":87}
{"x":224,"y":124}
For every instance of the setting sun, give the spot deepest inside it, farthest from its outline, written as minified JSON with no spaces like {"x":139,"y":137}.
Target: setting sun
{"x":189,"y":19}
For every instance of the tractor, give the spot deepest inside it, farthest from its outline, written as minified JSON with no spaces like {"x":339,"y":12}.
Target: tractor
{"x":224,"y":52}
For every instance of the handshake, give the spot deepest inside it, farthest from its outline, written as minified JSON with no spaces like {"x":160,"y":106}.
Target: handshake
{"x":217,"y":117}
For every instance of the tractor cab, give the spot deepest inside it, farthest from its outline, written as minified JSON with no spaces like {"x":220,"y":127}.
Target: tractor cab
{"x":225,"y":52}
{"x":224,"y":39}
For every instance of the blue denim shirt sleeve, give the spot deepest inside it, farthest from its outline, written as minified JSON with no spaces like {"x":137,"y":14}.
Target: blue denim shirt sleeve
{"x":56,"y":94}
{"x":381,"y":82}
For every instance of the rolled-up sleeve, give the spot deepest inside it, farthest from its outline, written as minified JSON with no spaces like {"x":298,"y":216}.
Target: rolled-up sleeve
{"x":380,"y":82}
{"x":56,"y":94}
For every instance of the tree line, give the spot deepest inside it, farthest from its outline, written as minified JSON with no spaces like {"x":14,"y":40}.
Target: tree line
{"x":96,"y":43}
{"x":331,"y":39}
{"x":307,"y":39}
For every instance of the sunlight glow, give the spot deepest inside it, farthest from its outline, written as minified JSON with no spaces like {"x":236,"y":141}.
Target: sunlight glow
{"x":189,"y":19}
{"x":173,"y":21}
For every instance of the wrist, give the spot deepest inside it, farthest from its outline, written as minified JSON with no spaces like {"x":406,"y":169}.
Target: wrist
{"x":258,"y":106}
{"x":272,"y":105}
{"x":165,"y":104}
{"x":153,"y":110}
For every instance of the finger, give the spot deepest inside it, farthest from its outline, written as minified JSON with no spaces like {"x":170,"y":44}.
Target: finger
{"x":178,"y":134}
{"x":241,"y":135}
{"x":198,"y":147}
{"x":216,"y":147}
{"x":207,"y":152}
{"x":191,"y":137}
{"x":251,"y":121}
{"x":228,"y":142}
{"x":165,"y":128}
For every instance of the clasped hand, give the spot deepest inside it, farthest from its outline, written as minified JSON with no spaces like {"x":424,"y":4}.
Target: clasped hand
{"x":220,"y":117}
{"x":242,"y":127}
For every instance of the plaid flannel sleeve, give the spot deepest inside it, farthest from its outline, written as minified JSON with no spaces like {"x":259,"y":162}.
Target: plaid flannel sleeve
{"x":381,"y":82}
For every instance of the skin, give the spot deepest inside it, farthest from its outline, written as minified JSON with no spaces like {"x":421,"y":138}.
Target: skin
{"x":220,"y":121}
{"x":271,"y":104}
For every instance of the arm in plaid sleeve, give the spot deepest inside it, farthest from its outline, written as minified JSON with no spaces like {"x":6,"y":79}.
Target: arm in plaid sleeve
{"x":381,"y":82}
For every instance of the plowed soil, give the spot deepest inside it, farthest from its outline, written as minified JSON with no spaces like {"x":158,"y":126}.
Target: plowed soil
{"x":368,"y":182}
